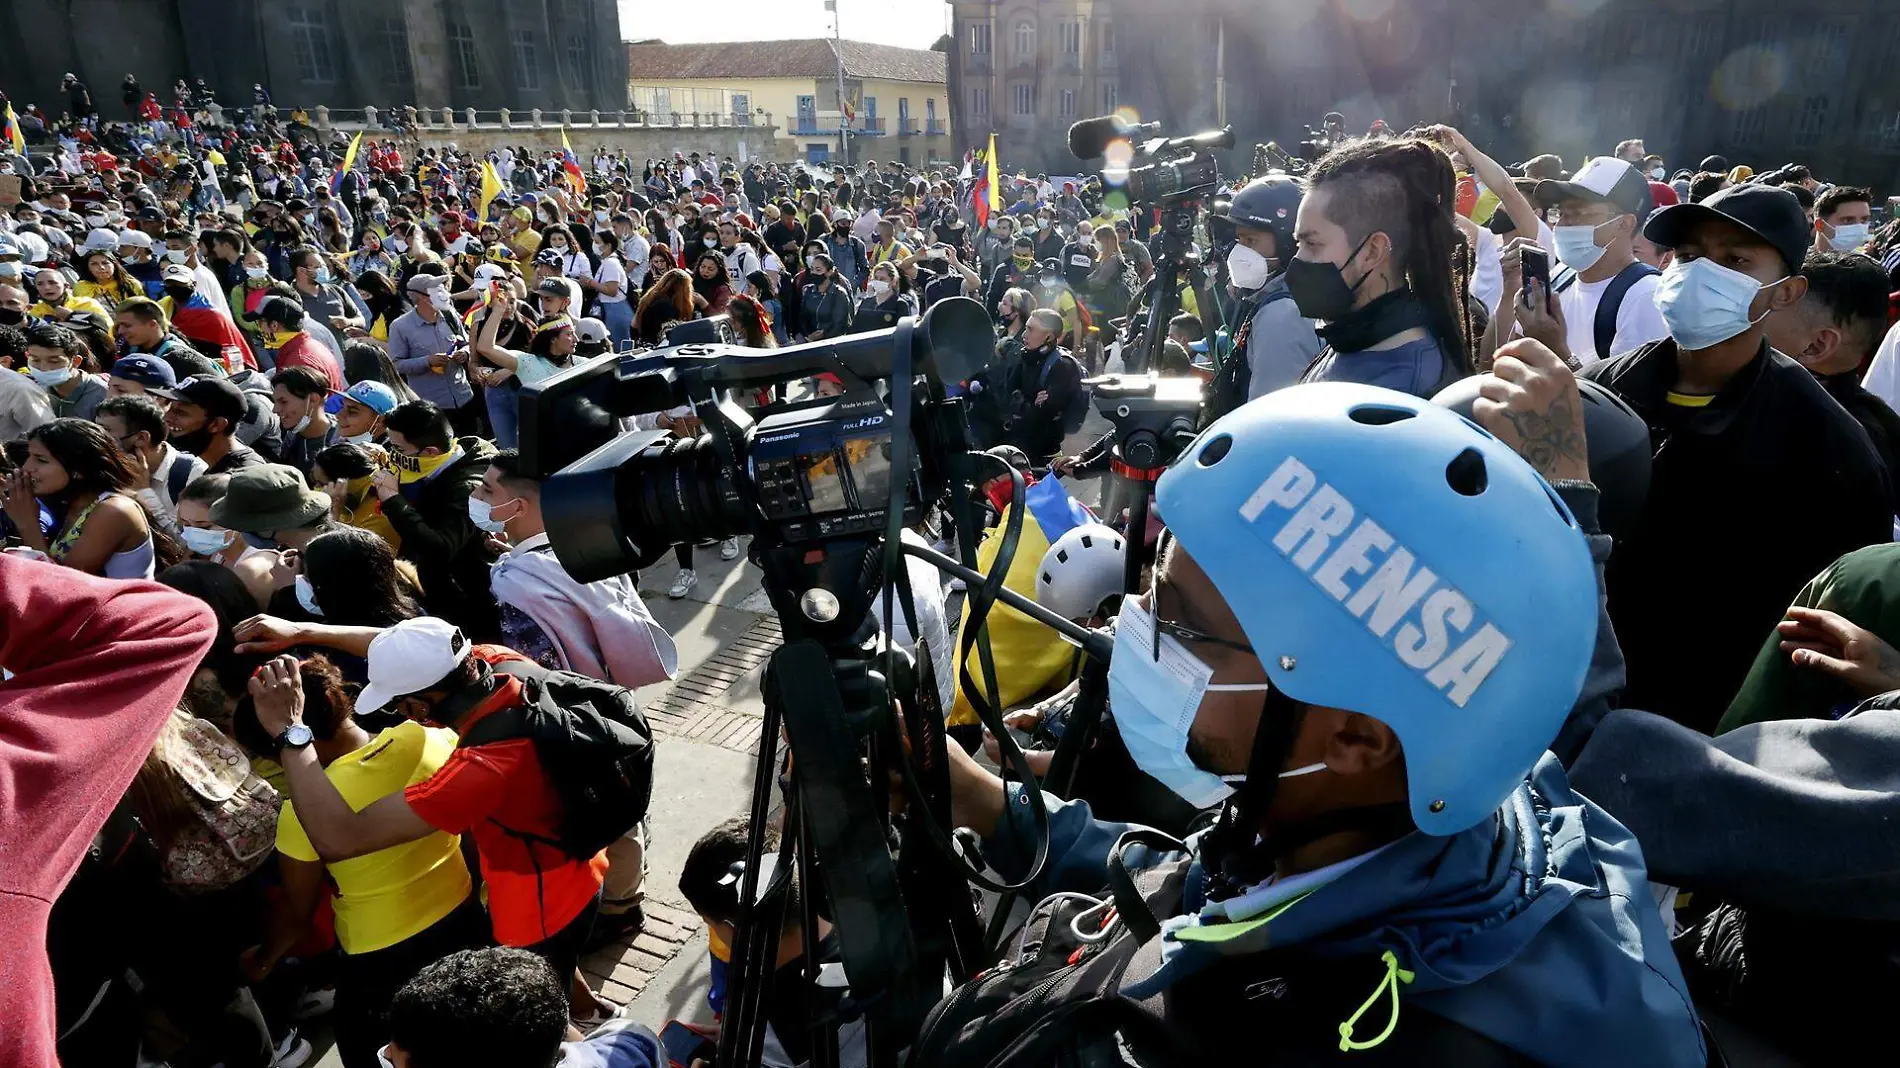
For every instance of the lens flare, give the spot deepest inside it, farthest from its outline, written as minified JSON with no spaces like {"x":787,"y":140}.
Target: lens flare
{"x":1748,"y":77}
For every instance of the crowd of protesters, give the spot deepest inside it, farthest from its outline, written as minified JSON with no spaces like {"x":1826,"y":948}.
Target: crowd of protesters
{"x":272,"y":554}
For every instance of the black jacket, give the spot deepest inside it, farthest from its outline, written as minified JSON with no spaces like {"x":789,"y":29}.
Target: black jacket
{"x":1036,"y":427}
{"x":1749,"y":498}
{"x":1880,"y":421}
{"x":827,"y":309}
{"x":450,"y":553}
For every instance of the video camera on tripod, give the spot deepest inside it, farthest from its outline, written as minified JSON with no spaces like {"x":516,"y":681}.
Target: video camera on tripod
{"x":824,"y":486}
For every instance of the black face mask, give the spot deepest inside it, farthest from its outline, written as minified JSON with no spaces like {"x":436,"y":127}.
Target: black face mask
{"x":1320,"y":290}
{"x":194,"y":442}
{"x":12,"y":316}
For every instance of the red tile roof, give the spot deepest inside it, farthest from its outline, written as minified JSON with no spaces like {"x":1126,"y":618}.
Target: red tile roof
{"x":813,"y":58}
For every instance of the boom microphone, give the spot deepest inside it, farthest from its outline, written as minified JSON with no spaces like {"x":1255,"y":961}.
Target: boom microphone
{"x":1089,"y":138}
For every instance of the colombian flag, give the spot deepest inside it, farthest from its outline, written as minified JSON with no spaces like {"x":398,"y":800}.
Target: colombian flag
{"x":349,"y":160}
{"x":11,"y":129}
{"x":572,"y":166}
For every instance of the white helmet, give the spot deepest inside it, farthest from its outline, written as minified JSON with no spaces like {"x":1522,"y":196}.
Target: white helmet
{"x":1080,"y":571}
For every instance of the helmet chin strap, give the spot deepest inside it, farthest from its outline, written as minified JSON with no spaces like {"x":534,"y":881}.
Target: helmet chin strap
{"x":1235,"y":854}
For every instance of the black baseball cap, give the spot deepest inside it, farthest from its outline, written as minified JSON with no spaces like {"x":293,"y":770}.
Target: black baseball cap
{"x":1769,"y":212}
{"x":279,"y":310}
{"x":217,"y":396}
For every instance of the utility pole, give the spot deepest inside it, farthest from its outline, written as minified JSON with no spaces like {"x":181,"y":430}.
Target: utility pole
{"x":1220,"y":72}
{"x":837,"y":48}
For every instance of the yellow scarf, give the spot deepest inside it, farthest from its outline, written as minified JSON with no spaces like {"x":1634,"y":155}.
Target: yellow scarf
{"x":416,"y":468}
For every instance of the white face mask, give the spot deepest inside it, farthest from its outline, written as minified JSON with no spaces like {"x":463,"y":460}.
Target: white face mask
{"x":367,"y":437}
{"x":1577,"y":246}
{"x":307,"y":597}
{"x":1849,"y":236}
{"x":1156,"y":697}
{"x":53,"y":378}
{"x":482,"y":514}
{"x":257,"y":272}
{"x":1704,"y":303}
{"x":1247,"y":268}
{"x":176,"y":255}
{"x":205,"y":541}
{"x":398,"y":245}
{"x":879,"y":287}
{"x":1655,"y":174}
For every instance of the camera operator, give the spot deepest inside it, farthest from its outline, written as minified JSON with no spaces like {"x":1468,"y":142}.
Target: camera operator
{"x":1274,"y":344}
{"x":1329,"y":735}
{"x":1380,"y":262}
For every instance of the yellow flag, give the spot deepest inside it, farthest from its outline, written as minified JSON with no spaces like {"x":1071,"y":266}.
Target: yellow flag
{"x":989,"y":161}
{"x":491,"y":188}
{"x":349,"y":160}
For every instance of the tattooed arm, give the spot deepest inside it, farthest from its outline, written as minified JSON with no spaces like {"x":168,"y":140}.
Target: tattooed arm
{"x":1530,"y":401}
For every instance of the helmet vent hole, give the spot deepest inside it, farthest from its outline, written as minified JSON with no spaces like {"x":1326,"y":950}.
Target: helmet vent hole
{"x":1380,"y":414}
{"x":1063,"y":556}
{"x":1215,"y":450}
{"x":1088,"y":541}
{"x":1466,"y":474}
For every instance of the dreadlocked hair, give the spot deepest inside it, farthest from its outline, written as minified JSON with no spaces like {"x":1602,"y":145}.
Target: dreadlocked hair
{"x":1406,"y":188}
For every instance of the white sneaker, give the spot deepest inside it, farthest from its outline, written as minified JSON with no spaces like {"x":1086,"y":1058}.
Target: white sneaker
{"x":682,"y":583}
{"x":729,"y":549}
{"x":315,"y":1003}
{"x":292,"y":1052}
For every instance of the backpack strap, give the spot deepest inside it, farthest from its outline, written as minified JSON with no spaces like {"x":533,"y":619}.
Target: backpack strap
{"x":178,"y":477}
{"x":1612,"y":302}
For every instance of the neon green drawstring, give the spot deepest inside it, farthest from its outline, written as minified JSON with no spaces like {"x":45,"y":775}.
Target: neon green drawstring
{"x":1394,"y":975}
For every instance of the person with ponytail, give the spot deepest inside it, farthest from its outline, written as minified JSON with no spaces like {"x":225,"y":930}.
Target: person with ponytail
{"x":1381,"y":263}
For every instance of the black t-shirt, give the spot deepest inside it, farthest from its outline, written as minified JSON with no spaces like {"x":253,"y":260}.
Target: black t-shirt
{"x":237,"y":459}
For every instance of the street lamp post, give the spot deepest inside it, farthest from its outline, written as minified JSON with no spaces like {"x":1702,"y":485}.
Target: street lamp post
{"x":837,"y":48}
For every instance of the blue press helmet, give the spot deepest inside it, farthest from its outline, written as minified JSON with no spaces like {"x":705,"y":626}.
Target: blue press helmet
{"x":1387,"y":556}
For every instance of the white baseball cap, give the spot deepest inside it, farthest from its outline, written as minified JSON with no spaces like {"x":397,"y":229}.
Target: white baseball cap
{"x":488,"y":272}
{"x":134,"y":239}
{"x":410,"y":657}
{"x":102,"y":241}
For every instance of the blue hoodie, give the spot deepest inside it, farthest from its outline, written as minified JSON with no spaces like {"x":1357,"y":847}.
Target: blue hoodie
{"x":1535,"y":928}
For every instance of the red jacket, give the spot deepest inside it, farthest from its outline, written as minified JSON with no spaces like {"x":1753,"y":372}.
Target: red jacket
{"x":98,"y":666}
{"x":306,"y":351}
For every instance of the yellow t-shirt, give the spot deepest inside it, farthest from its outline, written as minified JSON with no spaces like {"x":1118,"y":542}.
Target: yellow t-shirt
{"x":526,"y":244}
{"x":389,"y":895}
{"x":107,"y":294}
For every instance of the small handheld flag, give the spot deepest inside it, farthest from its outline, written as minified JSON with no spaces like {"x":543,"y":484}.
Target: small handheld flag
{"x":349,"y":160}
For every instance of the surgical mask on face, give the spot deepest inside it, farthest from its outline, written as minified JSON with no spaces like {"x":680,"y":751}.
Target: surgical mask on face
{"x":482,"y":514}
{"x":1704,"y":303}
{"x":205,"y":541}
{"x":51,"y":379}
{"x":1848,"y":237}
{"x":367,"y":437}
{"x":1155,"y":693}
{"x":176,"y":255}
{"x":323,"y":276}
{"x":302,"y":424}
{"x":1655,"y":174}
{"x":600,"y":216}
{"x":1577,"y":246}
{"x":1247,"y":268}
{"x":398,"y":245}
{"x":879,"y":287}
{"x":307,"y":597}
{"x":257,"y":273}
{"x":709,"y":241}
{"x":1042,"y":224}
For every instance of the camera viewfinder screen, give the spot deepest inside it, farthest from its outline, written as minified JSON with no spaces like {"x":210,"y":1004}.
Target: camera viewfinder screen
{"x":870,"y":460}
{"x":827,"y":487}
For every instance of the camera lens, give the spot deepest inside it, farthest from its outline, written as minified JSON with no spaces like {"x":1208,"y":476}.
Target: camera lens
{"x":676,"y":492}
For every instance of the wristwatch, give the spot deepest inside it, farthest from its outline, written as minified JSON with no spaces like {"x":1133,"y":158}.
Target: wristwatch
{"x":296,"y":736}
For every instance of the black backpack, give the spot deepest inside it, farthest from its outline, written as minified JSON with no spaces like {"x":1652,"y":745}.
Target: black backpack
{"x":1603,"y":329}
{"x":594,"y":745}
{"x":1056,"y":1000}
